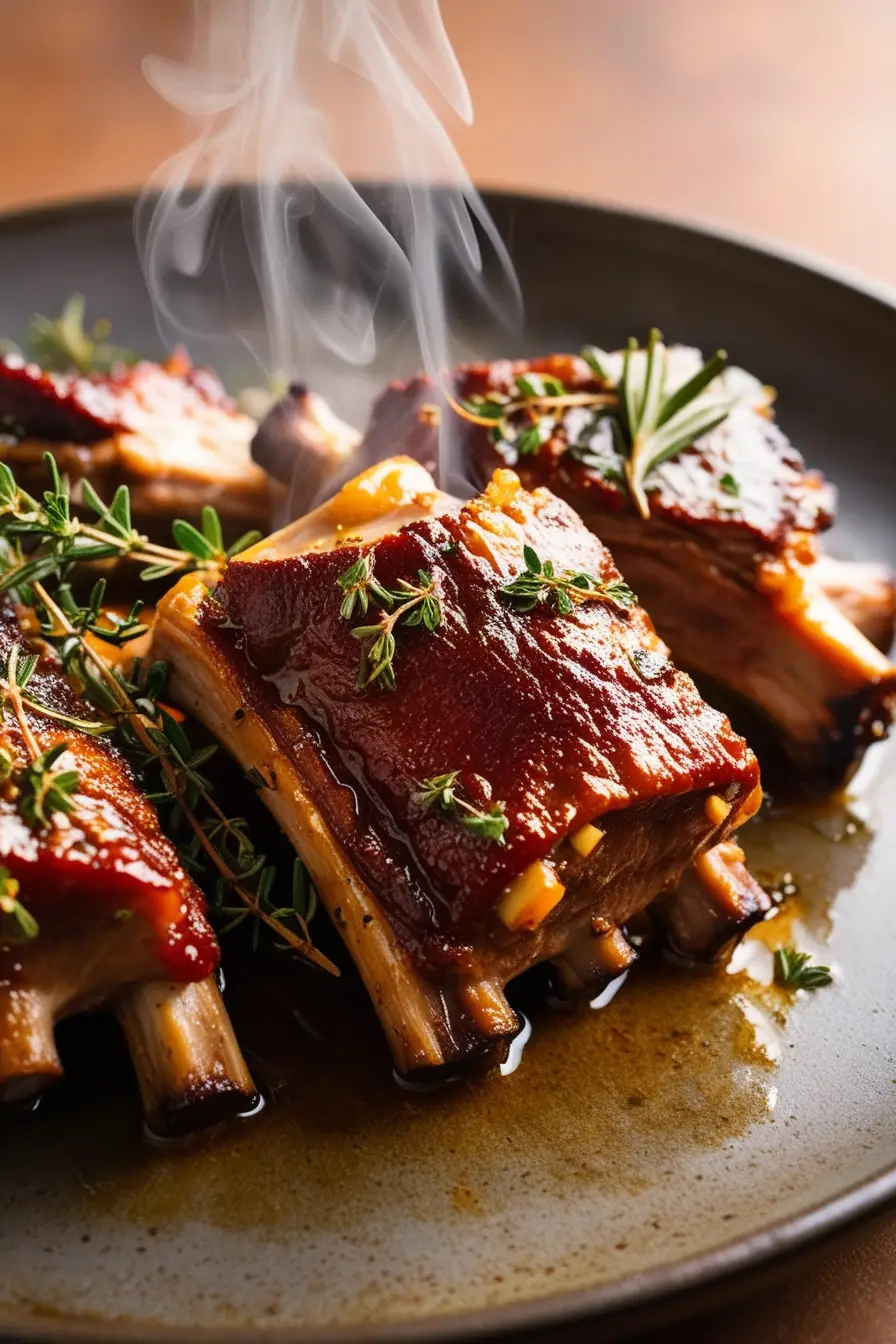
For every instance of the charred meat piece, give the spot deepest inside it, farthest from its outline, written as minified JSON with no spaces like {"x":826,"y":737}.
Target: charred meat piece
{"x":118,"y":921}
{"x":537,"y":774}
{"x":727,"y":561}
{"x":168,"y":431}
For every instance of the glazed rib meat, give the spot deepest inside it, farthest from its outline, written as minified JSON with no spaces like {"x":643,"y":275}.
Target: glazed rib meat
{"x":609,"y":770}
{"x":167,"y":431}
{"x":728,"y":561}
{"x":117,"y":918}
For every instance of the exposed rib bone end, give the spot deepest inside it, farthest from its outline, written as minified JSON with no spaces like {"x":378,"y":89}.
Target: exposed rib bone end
{"x":591,"y":962}
{"x":715,"y":902}
{"x":189,"y":1067}
{"x":29,"y":1063}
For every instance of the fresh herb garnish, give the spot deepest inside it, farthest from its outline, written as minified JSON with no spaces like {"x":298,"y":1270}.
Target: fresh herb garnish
{"x":46,"y":791}
{"x":151,"y":737}
{"x":408,"y":605}
{"x":57,"y":539}
{"x":657,"y":426}
{"x":729,"y":484}
{"x":540,"y":583}
{"x":443,"y":791}
{"x":40,"y":791}
{"x":60,"y":344}
{"x":649,"y":425}
{"x":359,"y":586}
{"x":17,"y":925}
{"x":793,"y":970}
{"x":528,"y":418}
{"x":649,"y":666}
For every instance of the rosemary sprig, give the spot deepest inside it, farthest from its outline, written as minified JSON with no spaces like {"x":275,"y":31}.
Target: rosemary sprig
{"x":656,"y":425}
{"x":793,"y":970}
{"x":539,"y":582}
{"x":17,"y":925}
{"x":409,"y":605}
{"x":60,"y":344}
{"x":443,"y":792}
{"x":648,"y":425}
{"x":56,"y":539}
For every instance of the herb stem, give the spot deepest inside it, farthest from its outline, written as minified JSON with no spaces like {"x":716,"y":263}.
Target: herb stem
{"x":175,"y":783}
{"x":14,"y":696}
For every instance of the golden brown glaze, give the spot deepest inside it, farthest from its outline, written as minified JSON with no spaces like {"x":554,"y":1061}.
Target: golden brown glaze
{"x":92,"y":871}
{"x":543,"y":712}
{"x":731,"y":579}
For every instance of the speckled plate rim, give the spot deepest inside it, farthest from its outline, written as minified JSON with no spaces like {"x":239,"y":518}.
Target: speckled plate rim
{"x":626,"y":1305}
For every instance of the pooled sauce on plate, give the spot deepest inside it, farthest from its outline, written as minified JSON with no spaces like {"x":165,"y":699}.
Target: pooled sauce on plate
{"x":678,"y":1060}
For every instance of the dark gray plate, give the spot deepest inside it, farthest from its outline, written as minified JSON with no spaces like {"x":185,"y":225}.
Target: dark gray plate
{"x":640,"y":1157}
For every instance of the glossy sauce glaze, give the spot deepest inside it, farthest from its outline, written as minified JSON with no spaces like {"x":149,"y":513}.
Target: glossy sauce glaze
{"x":109,"y":855}
{"x":579,"y":460}
{"x":552,"y":718}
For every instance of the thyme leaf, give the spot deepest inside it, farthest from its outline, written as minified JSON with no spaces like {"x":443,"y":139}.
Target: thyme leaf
{"x":359,"y":587}
{"x":540,"y":583}
{"x":408,"y":605}
{"x":43,"y":539}
{"x":45,"y":791}
{"x":444,"y":793}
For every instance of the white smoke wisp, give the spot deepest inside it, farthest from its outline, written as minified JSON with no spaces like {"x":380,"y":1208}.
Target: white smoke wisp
{"x":334,"y":278}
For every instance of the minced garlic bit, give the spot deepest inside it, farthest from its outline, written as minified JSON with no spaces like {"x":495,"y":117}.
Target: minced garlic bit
{"x":531,"y":897}
{"x":716,"y":809}
{"x":586,"y":839}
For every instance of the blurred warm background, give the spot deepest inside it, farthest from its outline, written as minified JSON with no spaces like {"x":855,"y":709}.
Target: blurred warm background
{"x":774,"y":116}
{"x":771,"y":116}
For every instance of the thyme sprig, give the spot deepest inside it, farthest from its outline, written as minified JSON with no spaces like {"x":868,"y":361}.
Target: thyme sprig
{"x":60,"y":344}
{"x":41,"y":791}
{"x":150,"y":735}
{"x":154,"y":739}
{"x":794,"y":970}
{"x":54,"y":538}
{"x":443,"y":792}
{"x":360,"y":587}
{"x":539,"y":582}
{"x":539,"y":402}
{"x":408,"y":605}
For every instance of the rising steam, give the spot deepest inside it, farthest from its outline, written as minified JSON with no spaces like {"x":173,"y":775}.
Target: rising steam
{"x":335,"y":279}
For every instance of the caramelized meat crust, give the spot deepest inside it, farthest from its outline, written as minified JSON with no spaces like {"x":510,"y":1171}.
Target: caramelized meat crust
{"x":579,"y":461}
{"x":168,"y":431}
{"x":107,"y":861}
{"x":727,"y":563}
{"x":546,"y":713}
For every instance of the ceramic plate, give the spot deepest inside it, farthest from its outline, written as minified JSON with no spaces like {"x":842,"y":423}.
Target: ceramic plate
{"x":694,"y":1130}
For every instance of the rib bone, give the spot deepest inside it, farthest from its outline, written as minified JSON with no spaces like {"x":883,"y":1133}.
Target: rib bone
{"x":188,"y":1064}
